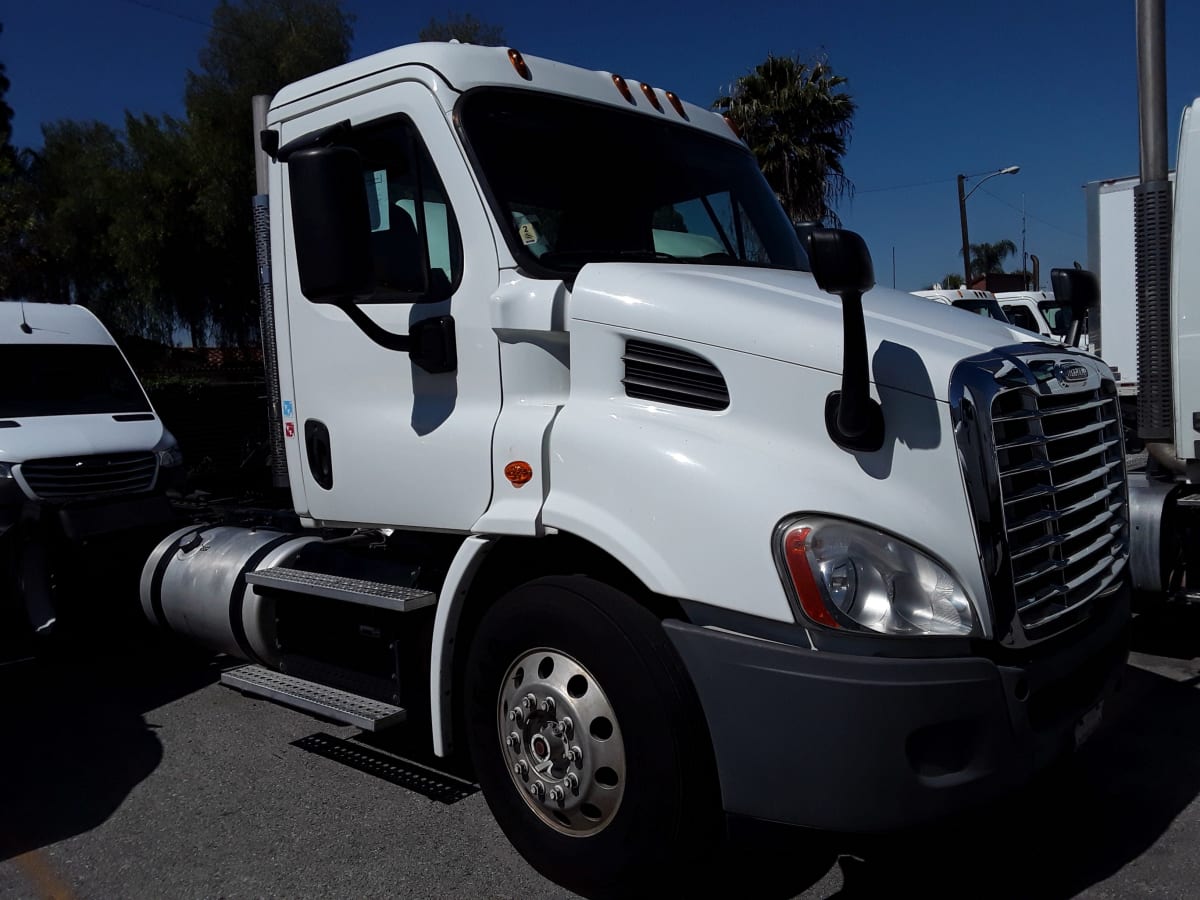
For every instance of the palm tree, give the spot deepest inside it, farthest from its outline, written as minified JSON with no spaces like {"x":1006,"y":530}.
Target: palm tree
{"x":797,"y":122}
{"x":987,"y":257}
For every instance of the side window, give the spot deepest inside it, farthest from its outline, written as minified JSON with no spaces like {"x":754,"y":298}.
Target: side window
{"x":415,"y":242}
{"x":1021,"y":317}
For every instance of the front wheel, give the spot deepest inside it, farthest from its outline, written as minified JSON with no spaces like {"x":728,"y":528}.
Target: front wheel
{"x":587,"y":737}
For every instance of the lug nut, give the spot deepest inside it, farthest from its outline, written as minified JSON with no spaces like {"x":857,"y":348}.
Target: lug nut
{"x":516,"y":715}
{"x":537,"y":789}
{"x":514,"y":742}
{"x":556,"y":794}
{"x":574,"y":754}
{"x":547,"y":706}
{"x":521,"y":769}
{"x":572,"y":782}
{"x":528,"y":702}
{"x":566,"y":725}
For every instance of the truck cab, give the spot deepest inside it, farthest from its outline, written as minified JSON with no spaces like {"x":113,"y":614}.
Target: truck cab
{"x":83,"y":455}
{"x":601,"y":474}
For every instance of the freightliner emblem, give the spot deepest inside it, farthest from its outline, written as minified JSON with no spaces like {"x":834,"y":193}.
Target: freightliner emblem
{"x":1071,"y":374}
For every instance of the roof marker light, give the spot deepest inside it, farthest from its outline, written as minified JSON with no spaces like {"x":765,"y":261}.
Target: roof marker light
{"x":737,"y":134}
{"x":623,"y":87}
{"x":651,"y":96}
{"x":676,"y":104}
{"x":518,"y":63}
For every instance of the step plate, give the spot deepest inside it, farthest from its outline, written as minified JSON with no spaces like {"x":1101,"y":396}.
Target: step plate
{"x":330,"y":703}
{"x":338,"y":587}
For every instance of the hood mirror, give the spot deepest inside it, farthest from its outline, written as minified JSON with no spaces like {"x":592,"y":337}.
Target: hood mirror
{"x":841,"y":265}
{"x":1079,"y":291}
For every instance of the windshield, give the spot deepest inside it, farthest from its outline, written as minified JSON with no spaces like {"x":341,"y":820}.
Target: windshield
{"x":989,"y":308}
{"x":66,"y":380}
{"x":578,"y":182}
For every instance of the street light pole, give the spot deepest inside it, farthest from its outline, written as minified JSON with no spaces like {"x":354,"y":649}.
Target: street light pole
{"x":962,"y":213}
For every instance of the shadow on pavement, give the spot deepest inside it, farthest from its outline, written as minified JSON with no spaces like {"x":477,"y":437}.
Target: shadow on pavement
{"x":74,"y":741}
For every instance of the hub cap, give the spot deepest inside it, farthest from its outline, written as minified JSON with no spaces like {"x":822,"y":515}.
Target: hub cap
{"x":568,"y":758}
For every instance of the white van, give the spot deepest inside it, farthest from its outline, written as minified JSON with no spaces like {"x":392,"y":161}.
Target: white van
{"x":83,"y":454}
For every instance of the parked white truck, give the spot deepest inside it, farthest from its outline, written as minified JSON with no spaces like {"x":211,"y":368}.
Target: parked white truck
{"x":656,"y":533}
{"x":1112,"y":325}
{"x":83,"y":456}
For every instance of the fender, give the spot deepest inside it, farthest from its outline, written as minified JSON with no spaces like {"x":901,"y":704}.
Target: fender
{"x":445,"y":628}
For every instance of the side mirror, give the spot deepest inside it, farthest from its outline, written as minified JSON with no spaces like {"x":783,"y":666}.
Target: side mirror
{"x":331,"y":223}
{"x":1079,"y":290}
{"x":841,"y":265}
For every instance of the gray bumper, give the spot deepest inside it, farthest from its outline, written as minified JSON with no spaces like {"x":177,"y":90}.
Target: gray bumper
{"x":852,"y":743}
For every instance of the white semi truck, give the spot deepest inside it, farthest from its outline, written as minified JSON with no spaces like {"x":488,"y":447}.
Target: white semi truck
{"x":599,"y":479}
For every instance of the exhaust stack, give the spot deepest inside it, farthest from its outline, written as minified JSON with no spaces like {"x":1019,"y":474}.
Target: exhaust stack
{"x":1152,"y":212}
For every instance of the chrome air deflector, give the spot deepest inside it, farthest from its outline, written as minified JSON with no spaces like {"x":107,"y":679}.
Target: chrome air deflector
{"x":1038,"y":431}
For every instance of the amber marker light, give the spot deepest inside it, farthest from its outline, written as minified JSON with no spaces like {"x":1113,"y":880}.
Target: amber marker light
{"x":518,"y":63}
{"x":795,"y":554}
{"x":520,"y":472}
{"x":651,"y":96}
{"x":623,"y":87}
{"x":676,"y":103}
{"x":737,"y":134}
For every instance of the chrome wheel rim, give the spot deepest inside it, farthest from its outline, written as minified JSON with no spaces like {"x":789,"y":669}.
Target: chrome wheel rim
{"x":561,"y":741}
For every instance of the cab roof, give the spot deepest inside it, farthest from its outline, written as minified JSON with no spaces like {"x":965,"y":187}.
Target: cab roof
{"x":467,"y":66}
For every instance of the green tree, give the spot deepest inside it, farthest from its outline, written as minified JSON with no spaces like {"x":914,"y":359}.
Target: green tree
{"x":952,"y":280}
{"x":255,"y":47}
{"x":796,"y":118}
{"x":75,"y":180}
{"x":465,"y":28}
{"x":8,"y":154}
{"x":155,"y":234}
{"x":987,"y":257}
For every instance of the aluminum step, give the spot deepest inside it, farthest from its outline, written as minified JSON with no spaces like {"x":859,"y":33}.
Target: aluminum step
{"x":338,"y":587}
{"x":308,"y":696}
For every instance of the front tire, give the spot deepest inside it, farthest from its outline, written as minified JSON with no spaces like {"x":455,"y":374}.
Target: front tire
{"x":610,"y":786}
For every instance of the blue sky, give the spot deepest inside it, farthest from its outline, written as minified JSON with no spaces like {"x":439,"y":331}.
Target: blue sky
{"x":942,"y":88}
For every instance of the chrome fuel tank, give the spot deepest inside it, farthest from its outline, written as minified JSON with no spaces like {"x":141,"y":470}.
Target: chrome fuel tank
{"x":194,"y":584}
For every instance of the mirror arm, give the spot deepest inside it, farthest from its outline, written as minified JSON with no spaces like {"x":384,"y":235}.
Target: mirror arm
{"x":852,"y":416}
{"x":430,"y":343}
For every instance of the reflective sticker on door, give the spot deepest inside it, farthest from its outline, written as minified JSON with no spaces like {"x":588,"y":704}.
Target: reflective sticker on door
{"x":287,"y":407}
{"x":289,"y":429}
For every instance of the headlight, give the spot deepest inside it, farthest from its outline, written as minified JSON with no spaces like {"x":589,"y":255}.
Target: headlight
{"x":848,"y":576}
{"x":168,"y":452}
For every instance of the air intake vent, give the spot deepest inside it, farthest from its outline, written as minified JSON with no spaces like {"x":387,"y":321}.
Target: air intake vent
{"x":674,"y":376}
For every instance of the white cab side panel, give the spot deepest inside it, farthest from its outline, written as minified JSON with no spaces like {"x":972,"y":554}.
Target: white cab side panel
{"x":409,"y":448}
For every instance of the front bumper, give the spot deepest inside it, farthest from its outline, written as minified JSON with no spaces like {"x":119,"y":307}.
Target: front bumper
{"x":853,"y":743}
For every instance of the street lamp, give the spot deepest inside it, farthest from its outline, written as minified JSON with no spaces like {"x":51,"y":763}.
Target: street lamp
{"x":962,"y":212}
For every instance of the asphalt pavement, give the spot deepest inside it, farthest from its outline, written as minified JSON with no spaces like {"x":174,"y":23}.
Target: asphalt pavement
{"x":127,"y":771}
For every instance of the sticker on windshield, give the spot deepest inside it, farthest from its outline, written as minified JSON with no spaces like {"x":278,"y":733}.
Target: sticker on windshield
{"x":528,"y":233}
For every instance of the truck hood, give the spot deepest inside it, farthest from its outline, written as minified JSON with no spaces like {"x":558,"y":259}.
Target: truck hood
{"x":913,"y":343}
{"x":43,"y":437}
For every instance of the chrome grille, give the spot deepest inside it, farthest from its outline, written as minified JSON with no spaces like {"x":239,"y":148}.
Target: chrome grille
{"x":1060,"y":463}
{"x":73,"y":477}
